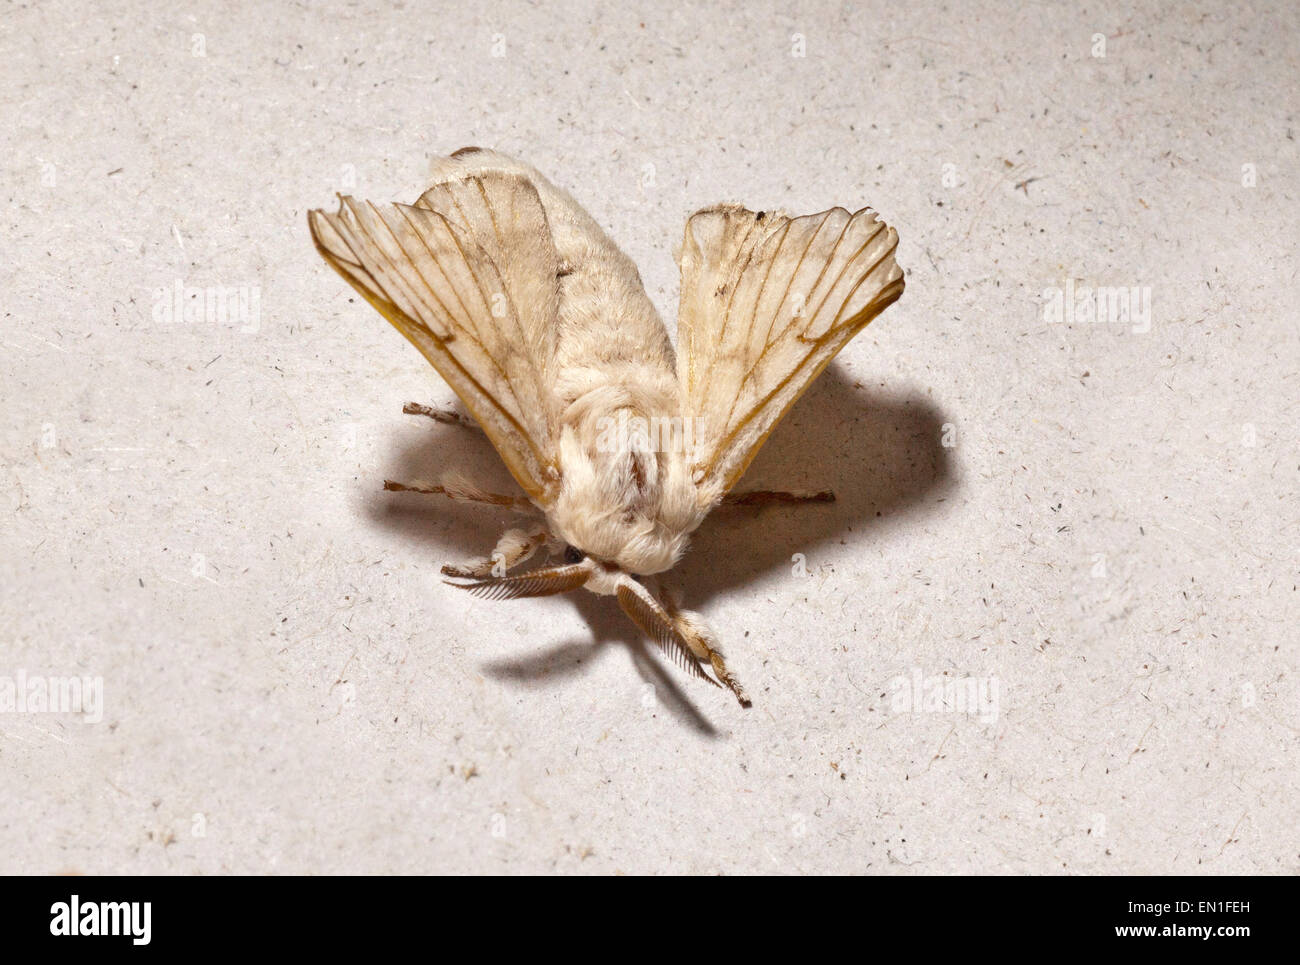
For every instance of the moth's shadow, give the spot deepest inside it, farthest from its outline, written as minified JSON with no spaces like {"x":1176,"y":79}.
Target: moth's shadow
{"x":881,"y":453}
{"x":608,"y":625}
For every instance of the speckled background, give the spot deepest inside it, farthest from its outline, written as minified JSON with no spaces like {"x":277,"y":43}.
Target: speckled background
{"x":1094,"y":523}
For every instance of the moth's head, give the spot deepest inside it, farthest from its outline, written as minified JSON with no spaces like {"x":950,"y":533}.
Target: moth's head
{"x":626,"y":498}
{"x":636,"y":545}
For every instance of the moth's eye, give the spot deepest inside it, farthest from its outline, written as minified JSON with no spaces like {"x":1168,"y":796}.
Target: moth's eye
{"x":573,"y":555}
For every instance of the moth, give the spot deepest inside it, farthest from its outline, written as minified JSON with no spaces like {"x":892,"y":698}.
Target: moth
{"x":542,"y":327}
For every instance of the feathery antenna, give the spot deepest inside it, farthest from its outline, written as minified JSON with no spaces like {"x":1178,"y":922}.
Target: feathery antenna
{"x":646,"y":613}
{"x":544,"y":582}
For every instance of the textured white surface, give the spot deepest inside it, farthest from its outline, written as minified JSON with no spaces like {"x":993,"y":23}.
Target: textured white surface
{"x":327,"y":705}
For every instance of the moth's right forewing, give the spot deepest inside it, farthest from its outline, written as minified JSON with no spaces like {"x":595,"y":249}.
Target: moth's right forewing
{"x":473,"y":287}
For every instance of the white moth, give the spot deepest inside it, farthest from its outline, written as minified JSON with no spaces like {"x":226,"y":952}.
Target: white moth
{"x":542,"y":327}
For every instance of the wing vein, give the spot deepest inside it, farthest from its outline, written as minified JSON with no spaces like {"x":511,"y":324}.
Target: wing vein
{"x":812,"y":316}
{"x":758,"y":299}
{"x":733,"y":282}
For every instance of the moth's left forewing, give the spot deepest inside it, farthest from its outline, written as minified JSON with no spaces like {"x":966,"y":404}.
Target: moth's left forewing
{"x":472,"y":284}
{"x":506,"y":219}
{"x":767,"y":301}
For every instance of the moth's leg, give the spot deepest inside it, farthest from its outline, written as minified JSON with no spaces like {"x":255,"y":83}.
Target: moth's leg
{"x":461,"y":490}
{"x":445,"y":416}
{"x":768,"y":497}
{"x":514,"y":547}
{"x":700,"y":639}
